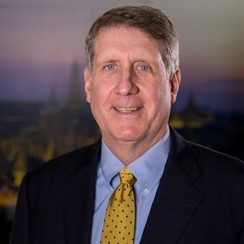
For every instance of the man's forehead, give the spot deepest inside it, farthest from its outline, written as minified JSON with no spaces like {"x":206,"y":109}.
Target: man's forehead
{"x":108,"y":37}
{"x":131,"y":28}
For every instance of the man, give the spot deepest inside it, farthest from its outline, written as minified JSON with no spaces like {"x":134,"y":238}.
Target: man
{"x":179,"y":192}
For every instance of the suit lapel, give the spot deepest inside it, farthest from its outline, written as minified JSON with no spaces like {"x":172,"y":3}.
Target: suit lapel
{"x":174,"y":205}
{"x":80,"y":197}
{"x":176,"y":200}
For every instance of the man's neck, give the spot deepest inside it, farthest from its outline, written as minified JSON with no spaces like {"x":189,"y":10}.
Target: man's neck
{"x":129,"y":151}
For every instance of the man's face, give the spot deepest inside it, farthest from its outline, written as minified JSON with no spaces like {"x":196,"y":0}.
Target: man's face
{"x":128,"y":89}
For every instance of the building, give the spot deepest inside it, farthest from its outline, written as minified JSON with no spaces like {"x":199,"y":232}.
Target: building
{"x":33,"y":132}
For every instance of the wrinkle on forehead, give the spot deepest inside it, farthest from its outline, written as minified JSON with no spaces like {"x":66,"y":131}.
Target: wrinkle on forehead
{"x":110,"y":48}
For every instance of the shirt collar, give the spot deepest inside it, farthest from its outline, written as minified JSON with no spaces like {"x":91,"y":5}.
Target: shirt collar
{"x":147,"y":169}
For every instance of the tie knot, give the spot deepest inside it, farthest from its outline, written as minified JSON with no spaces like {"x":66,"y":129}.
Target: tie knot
{"x":126,"y":177}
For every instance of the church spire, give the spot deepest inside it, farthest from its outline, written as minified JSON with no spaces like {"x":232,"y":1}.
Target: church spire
{"x":74,"y":98}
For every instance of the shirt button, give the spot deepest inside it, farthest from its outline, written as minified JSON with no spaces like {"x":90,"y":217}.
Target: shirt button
{"x":146,"y":190}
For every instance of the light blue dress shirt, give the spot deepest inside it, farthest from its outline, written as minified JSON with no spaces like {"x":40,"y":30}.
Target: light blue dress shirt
{"x":147,"y":169}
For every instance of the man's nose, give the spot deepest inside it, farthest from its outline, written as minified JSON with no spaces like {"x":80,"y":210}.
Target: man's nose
{"x":126,"y":83}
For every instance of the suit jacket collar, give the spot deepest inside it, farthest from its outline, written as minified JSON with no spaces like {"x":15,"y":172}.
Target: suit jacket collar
{"x":174,"y":205}
{"x":79,"y":213}
{"x":176,"y":199}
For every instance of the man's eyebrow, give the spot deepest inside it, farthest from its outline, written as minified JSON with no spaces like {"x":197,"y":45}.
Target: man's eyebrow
{"x":106,"y":60}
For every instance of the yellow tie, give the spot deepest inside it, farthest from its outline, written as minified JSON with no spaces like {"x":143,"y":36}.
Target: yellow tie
{"x":119,"y":222}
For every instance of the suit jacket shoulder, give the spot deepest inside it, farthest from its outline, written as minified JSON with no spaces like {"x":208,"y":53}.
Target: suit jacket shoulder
{"x":56,"y":200}
{"x":196,"y":160}
{"x":200,"y":197}
{"x":69,"y":163}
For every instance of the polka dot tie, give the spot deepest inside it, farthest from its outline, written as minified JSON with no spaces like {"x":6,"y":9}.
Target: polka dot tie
{"x":119,"y":222}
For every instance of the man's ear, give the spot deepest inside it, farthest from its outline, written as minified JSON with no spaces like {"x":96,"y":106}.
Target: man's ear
{"x":87,"y":79}
{"x":175,"y":85}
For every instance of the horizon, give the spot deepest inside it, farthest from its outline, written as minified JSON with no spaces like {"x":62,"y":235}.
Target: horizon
{"x":41,"y":39}
{"x":23,"y":85}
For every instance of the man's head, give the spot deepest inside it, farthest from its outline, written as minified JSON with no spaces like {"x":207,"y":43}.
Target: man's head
{"x":132,"y":78}
{"x":149,"y":20}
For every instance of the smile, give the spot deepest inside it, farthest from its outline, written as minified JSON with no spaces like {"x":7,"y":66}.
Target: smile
{"x":126,"y":109}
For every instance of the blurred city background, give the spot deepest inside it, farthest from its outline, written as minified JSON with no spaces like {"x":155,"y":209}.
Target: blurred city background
{"x":43,"y":112}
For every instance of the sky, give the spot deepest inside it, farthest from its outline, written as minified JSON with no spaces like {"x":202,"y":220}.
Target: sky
{"x":40,"y":39}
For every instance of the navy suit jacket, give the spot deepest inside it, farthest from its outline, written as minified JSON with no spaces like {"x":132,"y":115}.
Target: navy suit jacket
{"x":200,"y":199}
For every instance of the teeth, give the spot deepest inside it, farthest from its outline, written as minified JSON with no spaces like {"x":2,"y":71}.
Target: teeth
{"x":126,"y":110}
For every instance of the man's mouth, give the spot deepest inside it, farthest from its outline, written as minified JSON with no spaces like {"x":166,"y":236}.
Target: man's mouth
{"x":126,"y":109}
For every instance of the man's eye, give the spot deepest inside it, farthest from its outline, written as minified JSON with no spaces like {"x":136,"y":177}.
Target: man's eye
{"x":144,"y":68}
{"x":110,"y":67}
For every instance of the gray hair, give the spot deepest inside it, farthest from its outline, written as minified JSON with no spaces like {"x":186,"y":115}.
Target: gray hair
{"x":148,"y":19}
